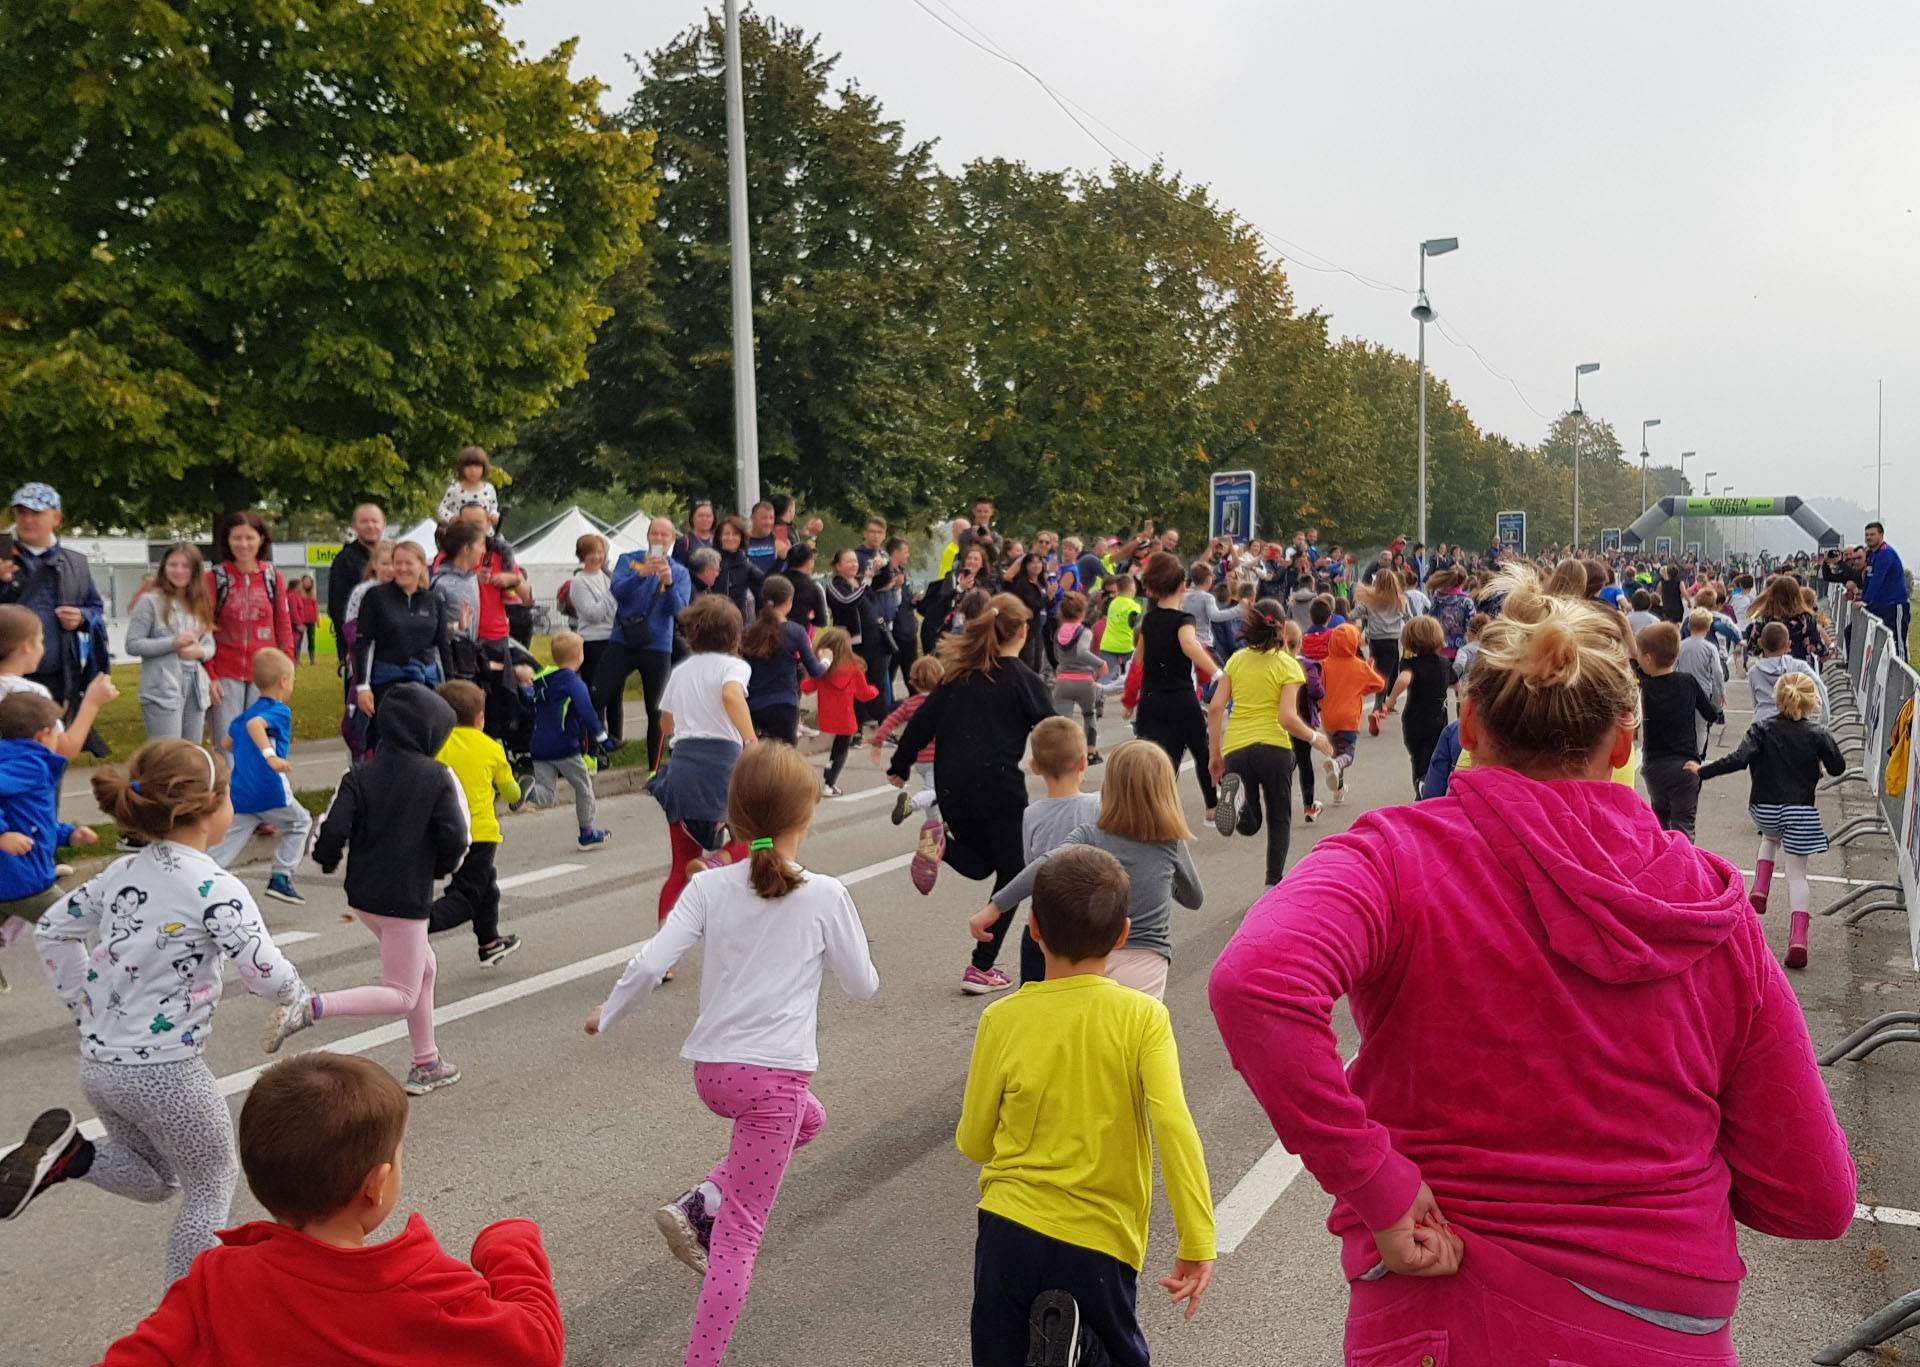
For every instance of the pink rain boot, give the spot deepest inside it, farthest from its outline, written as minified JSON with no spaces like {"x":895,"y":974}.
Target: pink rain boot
{"x":1797,"y":940}
{"x":1762,"y":883}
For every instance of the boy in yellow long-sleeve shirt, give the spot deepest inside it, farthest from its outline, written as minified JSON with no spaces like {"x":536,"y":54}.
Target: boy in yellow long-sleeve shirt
{"x":479,"y":762}
{"x":1067,"y":1076}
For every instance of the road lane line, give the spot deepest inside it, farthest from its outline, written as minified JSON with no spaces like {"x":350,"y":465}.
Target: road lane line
{"x":1888,"y":1215}
{"x":521,"y":880}
{"x":1253,"y":1195}
{"x":1827,"y":878}
{"x":294,"y":937}
{"x":865,"y":794}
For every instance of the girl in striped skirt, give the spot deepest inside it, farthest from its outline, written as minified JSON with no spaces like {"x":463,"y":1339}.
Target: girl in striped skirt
{"x":1784,"y":756}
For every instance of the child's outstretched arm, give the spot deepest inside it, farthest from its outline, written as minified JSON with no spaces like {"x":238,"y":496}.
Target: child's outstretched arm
{"x":1186,"y":878}
{"x":1183,"y":1163}
{"x":263,"y":742}
{"x":1400,"y":686}
{"x":336,"y":828}
{"x":681,"y":931}
{"x":1735,"y":760}
{"x":233,"y":919}
{"x":500,"y":770}
{"x":848,"y":954}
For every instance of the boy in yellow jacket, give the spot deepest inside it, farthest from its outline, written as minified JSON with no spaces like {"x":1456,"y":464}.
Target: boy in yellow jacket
{"x":479,"y":762}
{"x":1073,"y":1081}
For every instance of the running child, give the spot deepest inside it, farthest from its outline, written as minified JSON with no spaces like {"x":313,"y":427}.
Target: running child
{"x":842,"y":688}
{"x":566,"y":730}
{"x":320,"y":1143}
{"x":1671,"y":704}
{"x":1424,"y":679}
{"x":1784,"y":756}
{"x":480,"y":763}
{"x":1773,"y":662}
{"x":1079,"y":667}
{"x":1312,"y":693}
{"x":922,"y":678}
{"x":1323,"y":619}
{"x":1142,"y":826}
{"x":1066,"y":1186}
{"x":1123,"y":613}
{"x":23,"y":644}
{"x":136,"y":955}
{"x":259,"y":740}
{"x":1349,"y":679}
{"x":776,"y":650}
{"x":771,"y":928}
{"x":401,"y":821}
{"x":31,"y":831}
{"x":1163,"y":672}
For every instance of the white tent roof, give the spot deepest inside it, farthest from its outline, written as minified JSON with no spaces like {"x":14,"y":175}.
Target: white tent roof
{"x":553,"y":544}
{"x":630,"y":533}
{"x":421,"y":535}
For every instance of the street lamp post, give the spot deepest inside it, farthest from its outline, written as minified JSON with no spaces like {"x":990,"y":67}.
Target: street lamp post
{"x":1423,"y":313}
{"x":746,"y":431}
{"x":1706,"y":491}
{"x":1685,"y":456}
{"x":1650,"y":422}
{"x":1584,"y":368}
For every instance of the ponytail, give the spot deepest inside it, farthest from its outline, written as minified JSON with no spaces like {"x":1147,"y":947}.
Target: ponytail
{"x":978,"y":649}
{"x":773,"y":791}
{"x":169,"y":784}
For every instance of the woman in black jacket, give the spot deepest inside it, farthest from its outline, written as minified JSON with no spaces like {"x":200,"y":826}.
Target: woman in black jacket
{"x":851,"y":603}
{"x":739,"y":579}
{"x":1029,"y":585}
{"x":809,"y":603}
{"x":404,"y":632}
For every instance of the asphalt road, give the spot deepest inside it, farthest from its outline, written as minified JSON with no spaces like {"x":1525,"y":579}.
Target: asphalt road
{"x":868,"y":1256}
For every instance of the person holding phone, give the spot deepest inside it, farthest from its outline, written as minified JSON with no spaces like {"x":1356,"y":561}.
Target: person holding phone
{"x":37,"y":572}
{"x":649,"y":590}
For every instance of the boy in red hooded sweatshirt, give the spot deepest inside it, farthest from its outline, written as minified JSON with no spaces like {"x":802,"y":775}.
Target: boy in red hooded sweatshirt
{"x":1349,"y":680}
{"x":320,"y":1141}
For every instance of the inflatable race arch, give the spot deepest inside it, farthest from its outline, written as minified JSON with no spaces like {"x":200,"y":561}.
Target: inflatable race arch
{"x":1648,"y":522}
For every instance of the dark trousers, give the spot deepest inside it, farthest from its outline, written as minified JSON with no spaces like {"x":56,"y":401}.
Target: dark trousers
{"x":1386,"y":659}
{"x":1420,"y":747}
{"x":877,"y":651}
{"x":473,"y":894}
{"x":1673,"y":792}
{"x":1176,"y":723}
{"x":1266,"y":781}
{"x":1899,"y":620}
{"x":1012,"y":1265}
{"x":653,"y":667}
{"x":994,"y":848}
{"x":778,"y":722}
{"x":1303,"y":766}
{"x":838,"y":759}
{"x":593,"y":654}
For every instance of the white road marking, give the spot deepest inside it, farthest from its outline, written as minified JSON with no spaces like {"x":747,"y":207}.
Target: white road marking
{"x":294,"y":937}
{"x":521,"y":880}
{"x":234,"y":1083}
{"x":1823,"y":878}
{"x":1888,"y":1215}
{"x":1253,"y":1195}
{"x":866,"y":794}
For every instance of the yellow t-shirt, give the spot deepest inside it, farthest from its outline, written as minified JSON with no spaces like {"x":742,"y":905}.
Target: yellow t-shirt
{"x":1123,"y":614}
{"x":1627,"y":773}
{"x":1258,"y":678}
{"x":1067,"y":1076}
{"x":947,"y":557}
{"x":480,"y":764}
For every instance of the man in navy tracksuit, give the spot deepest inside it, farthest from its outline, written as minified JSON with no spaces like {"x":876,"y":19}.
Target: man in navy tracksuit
{"x":1886,"y":595}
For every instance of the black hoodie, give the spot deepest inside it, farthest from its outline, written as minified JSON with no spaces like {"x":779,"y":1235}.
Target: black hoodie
{"x":401,"y":812}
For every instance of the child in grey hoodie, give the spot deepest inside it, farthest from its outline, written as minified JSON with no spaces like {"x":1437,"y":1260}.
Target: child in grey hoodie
{"x":1776,"y":659}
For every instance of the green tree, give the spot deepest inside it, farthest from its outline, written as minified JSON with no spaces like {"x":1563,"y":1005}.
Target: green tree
{"x":293,"y":250}
{"x":852,"y":369}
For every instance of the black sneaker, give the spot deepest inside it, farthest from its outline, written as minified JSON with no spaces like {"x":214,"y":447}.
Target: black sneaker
{"x":52,"y":1152}
{"x":1226,"y":813}
{"x":1054,"y":1337}
{"x":498,"y":950}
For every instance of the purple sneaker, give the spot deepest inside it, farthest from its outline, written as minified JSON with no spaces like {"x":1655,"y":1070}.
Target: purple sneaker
{"x":928,"y":850}
{"x":687,"y":1228}
{"x":977,"y":982}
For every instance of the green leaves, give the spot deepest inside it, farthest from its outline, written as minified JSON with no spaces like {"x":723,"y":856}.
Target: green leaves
{"x":291,"y":250}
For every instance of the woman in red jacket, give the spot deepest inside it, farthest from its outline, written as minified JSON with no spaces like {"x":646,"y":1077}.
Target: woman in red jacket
{"x":250,"y":613}
{"x":303,"y":610}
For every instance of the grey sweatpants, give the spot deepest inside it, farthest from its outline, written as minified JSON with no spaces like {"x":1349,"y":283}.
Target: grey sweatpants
{"x":294,"y":823}
{"x":547,"y":774}
{"x":167,"y":1130}
{"x":236,"y":696}
{"x":181,"y":720}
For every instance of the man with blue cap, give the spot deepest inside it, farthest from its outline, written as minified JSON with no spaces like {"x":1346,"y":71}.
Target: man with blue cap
{"x":57,"y":584}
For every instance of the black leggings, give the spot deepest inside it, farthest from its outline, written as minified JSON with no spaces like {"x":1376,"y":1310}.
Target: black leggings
{"x":1420,"y":747}
{"x":838,"y":759}
{"x":621,"y":660}
{"x":781,"y":721}
{"x":1303,"y":766}
{"x":1175,"y":723}
{"x":1266,"y":774}
{"x":993,"y":848}
{"x":1386,"y":659}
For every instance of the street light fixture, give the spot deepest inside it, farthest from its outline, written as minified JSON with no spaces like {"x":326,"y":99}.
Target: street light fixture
{"x":1685,"y":456}
{"x":1423,"y":314}
{"x":1584,"y":368}
{"x":1650,"y":422}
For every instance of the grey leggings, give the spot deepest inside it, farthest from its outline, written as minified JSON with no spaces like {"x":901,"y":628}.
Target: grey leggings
{"x":167,"y":1130}
{"x":1069,"y":694}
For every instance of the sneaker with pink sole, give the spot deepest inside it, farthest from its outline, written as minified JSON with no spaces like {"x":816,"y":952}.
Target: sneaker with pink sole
{"x":927,"y":854}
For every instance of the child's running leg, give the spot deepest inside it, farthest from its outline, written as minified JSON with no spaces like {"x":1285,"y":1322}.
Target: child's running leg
{"x":167,"y":1126}
{"x":295,"y":824}
{"x":574,"y":770}
{"x":837,"y":760}
{"x":773,"y":1113}
{"x":1763,"y":873}
{"x":682,"y":849}
{"x":546,"y":778}
{"x":228,"y":847}
{"x":1800,"y":898}
{"x":1012,"y":1265}
{"x":407,"y":969}
{"x":1303,"y":765}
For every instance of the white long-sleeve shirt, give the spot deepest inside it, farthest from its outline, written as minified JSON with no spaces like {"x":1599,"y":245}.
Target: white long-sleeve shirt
{"x":761,"y":969}
{"x":160,"y":921}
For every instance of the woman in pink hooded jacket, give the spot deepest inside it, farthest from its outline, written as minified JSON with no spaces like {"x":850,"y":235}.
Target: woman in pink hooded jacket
{"x":1580,"y":1065}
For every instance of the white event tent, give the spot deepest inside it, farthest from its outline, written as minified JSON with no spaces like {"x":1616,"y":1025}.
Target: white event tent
{"x":546,"y":553}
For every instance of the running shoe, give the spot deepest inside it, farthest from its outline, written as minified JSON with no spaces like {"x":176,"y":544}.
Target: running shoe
{"x":1095,"y":757}
{"x":280,"y":887}
{"x":1331,"y":768}
{"x":978,"y":982}
{"x":266,"y":828}
{"x":1373,"y":723}
{"x":1312,"y":812}
{"x":498,"y":950}
{"x":593,"y":838}
{"x":828,"y":790}
{"x":902,"y":806}
{"x":427,"y":1077}
{"x":53,"y":1151}
{"x":287,"y":1020}
{"x":1054,"y":1331}
{"x":687,"y":1228}
{"x":927,"y":853}
{"x":1226,"y":813}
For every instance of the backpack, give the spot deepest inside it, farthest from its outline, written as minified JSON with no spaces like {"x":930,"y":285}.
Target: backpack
{"x":564,"y":601}
{"x":223,"y":586}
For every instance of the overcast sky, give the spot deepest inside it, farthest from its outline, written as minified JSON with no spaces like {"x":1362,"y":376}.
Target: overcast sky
{"x":1716,"y":203}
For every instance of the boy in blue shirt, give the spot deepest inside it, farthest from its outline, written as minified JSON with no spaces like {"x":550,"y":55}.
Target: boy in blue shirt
{"x":566,"y":730}
{"x":259,"y":740}
{"x":30,"y":826}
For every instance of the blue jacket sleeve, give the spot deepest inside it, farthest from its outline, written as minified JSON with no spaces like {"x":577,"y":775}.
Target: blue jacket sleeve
{"x":1445,"y":756}
{"x":592,"y":729}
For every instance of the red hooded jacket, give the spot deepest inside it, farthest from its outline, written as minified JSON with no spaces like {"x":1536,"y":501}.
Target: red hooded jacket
{"x":271,"y":1296}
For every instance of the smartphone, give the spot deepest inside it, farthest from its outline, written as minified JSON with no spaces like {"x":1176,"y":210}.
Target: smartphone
{"x":6,"y":545}
{"x":656,"y":552}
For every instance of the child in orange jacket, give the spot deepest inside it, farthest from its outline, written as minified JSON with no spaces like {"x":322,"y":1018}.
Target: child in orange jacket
{"x":841,"y":688}
{"x":1349,"y":680}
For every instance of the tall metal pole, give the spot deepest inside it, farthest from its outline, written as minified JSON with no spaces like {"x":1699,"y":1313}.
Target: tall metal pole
{"x":1879,"y":434}
{"x":1685,"y":456}
{"x":746,"y":431}
{"x":1422,"y":534}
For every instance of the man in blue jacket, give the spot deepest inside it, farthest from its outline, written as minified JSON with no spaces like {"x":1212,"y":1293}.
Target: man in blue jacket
{"x":57,"y":584}
{"x":648,"y":592}
{"x":1886,"y":595}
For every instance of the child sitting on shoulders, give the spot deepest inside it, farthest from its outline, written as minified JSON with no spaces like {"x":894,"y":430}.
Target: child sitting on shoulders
{"x":470,"y":488}
{"x":321,"y":1137}
{"x":1066,"y":1186}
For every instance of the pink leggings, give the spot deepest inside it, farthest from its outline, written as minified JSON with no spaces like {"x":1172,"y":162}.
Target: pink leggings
{"x":406,"y":983}
{"x":773,"y":1114}
{"x":1502,"y":1309}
